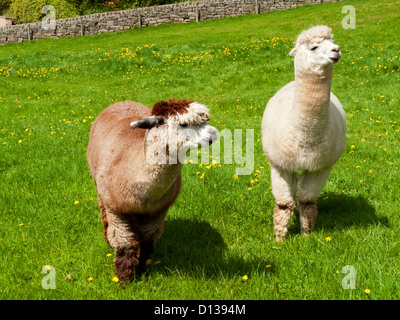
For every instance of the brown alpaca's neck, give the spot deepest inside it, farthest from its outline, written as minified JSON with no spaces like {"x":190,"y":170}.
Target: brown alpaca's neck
{"x":160,"y":165}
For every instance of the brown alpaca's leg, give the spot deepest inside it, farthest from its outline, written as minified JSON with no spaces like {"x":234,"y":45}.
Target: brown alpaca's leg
{"x":127,"y":261}
{"x":146,"y":249}
{"x":310,"y":187}
{"x":284,"y":186}
{"x":151,"y":229}
{"x":125,"y":241}
{"x":103,"y":216}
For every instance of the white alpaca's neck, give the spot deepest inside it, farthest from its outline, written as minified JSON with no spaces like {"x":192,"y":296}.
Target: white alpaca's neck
{"x":312,"y":93}
{"x":311,"y":102}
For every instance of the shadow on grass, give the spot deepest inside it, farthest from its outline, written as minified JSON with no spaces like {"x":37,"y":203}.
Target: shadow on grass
{"x":340,"y":212}
{"x":195,"y":248}
{"x":343,"y":211}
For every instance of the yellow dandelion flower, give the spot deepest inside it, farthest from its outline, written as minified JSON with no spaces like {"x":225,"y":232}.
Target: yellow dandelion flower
{"x":268,"y":266}
{"x":115,"y":279}
{"x":76,"y":202}
{"x":148,"y":261}
{"x":367,"y":291}
{"x":109,"y":254}
{"x":157,"y":262}
{"x":235,"y":176}
{"x":245,"y":277}
{"x":90,"y":279}
{"x":328,"y":239}
{"x":19,"y":141}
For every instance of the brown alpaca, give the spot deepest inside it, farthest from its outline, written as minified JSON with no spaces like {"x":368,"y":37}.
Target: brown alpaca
{"x":135,"y":187}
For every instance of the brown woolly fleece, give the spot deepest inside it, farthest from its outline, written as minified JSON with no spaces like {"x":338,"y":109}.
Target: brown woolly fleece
{"x":170,"y":108}
{"x":133,"y":195}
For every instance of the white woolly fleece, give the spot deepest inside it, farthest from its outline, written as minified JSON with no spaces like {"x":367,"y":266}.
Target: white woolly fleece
{"x":196,"y":114}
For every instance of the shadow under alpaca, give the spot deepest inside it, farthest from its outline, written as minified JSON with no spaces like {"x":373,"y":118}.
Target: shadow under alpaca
{"x":341,"y":212}
{"x":196,"y":249}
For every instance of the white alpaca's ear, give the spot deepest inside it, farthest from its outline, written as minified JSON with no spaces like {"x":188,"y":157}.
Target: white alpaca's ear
{"x":293,"y":52}
{"x":147,"y":122}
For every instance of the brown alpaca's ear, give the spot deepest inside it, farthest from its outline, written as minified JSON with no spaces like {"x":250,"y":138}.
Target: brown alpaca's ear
{"x":147,"y":122}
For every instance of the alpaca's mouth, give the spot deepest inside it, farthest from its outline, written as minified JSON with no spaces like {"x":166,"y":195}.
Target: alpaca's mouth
{"x":334,"y":60}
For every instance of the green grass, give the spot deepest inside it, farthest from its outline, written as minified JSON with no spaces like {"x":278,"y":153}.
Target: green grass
{"x":218,"y":230}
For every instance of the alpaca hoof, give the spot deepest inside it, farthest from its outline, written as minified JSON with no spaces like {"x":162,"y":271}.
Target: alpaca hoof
{"x":126,"y":264}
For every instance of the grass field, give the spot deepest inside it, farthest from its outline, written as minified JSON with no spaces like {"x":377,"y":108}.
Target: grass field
{"x":218,"y":241}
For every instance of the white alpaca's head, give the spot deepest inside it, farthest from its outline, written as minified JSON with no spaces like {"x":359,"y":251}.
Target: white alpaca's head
{"x":177,"y":126}
{"x":315,"y":52}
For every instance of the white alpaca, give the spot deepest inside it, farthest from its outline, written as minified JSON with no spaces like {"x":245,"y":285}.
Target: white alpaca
{"x":134,"y":189}
{"x":304,"y":129}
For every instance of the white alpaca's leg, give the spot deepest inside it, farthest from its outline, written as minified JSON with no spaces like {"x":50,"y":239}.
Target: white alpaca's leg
{"x":310,"y":187}
{"x":284,"y":186}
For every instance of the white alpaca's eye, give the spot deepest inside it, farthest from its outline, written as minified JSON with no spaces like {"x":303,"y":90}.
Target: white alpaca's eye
{"x":184,"y":125}
{"x":314,"y":48}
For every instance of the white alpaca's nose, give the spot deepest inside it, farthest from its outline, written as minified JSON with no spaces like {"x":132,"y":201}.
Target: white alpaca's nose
{"x":335,"y":49}
{"x":335,"y":54}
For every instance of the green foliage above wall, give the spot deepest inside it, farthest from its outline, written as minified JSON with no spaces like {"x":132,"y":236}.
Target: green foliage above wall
{"x":31,"y":10}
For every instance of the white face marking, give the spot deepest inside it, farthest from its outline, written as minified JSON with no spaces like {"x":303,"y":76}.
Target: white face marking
{"x":192,"y":136}
{"x":191,"y":128}
{"x":182,"y":132}
{"x":196,"y":114}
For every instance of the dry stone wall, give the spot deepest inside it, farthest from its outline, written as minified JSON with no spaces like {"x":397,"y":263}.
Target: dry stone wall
{"x":143,"y":17}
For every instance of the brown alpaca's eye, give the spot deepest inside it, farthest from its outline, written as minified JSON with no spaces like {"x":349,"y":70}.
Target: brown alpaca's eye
{"x":314,"y":48}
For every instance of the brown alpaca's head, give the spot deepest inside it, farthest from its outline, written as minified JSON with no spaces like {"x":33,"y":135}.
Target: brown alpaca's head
{"x":181,"y":125}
